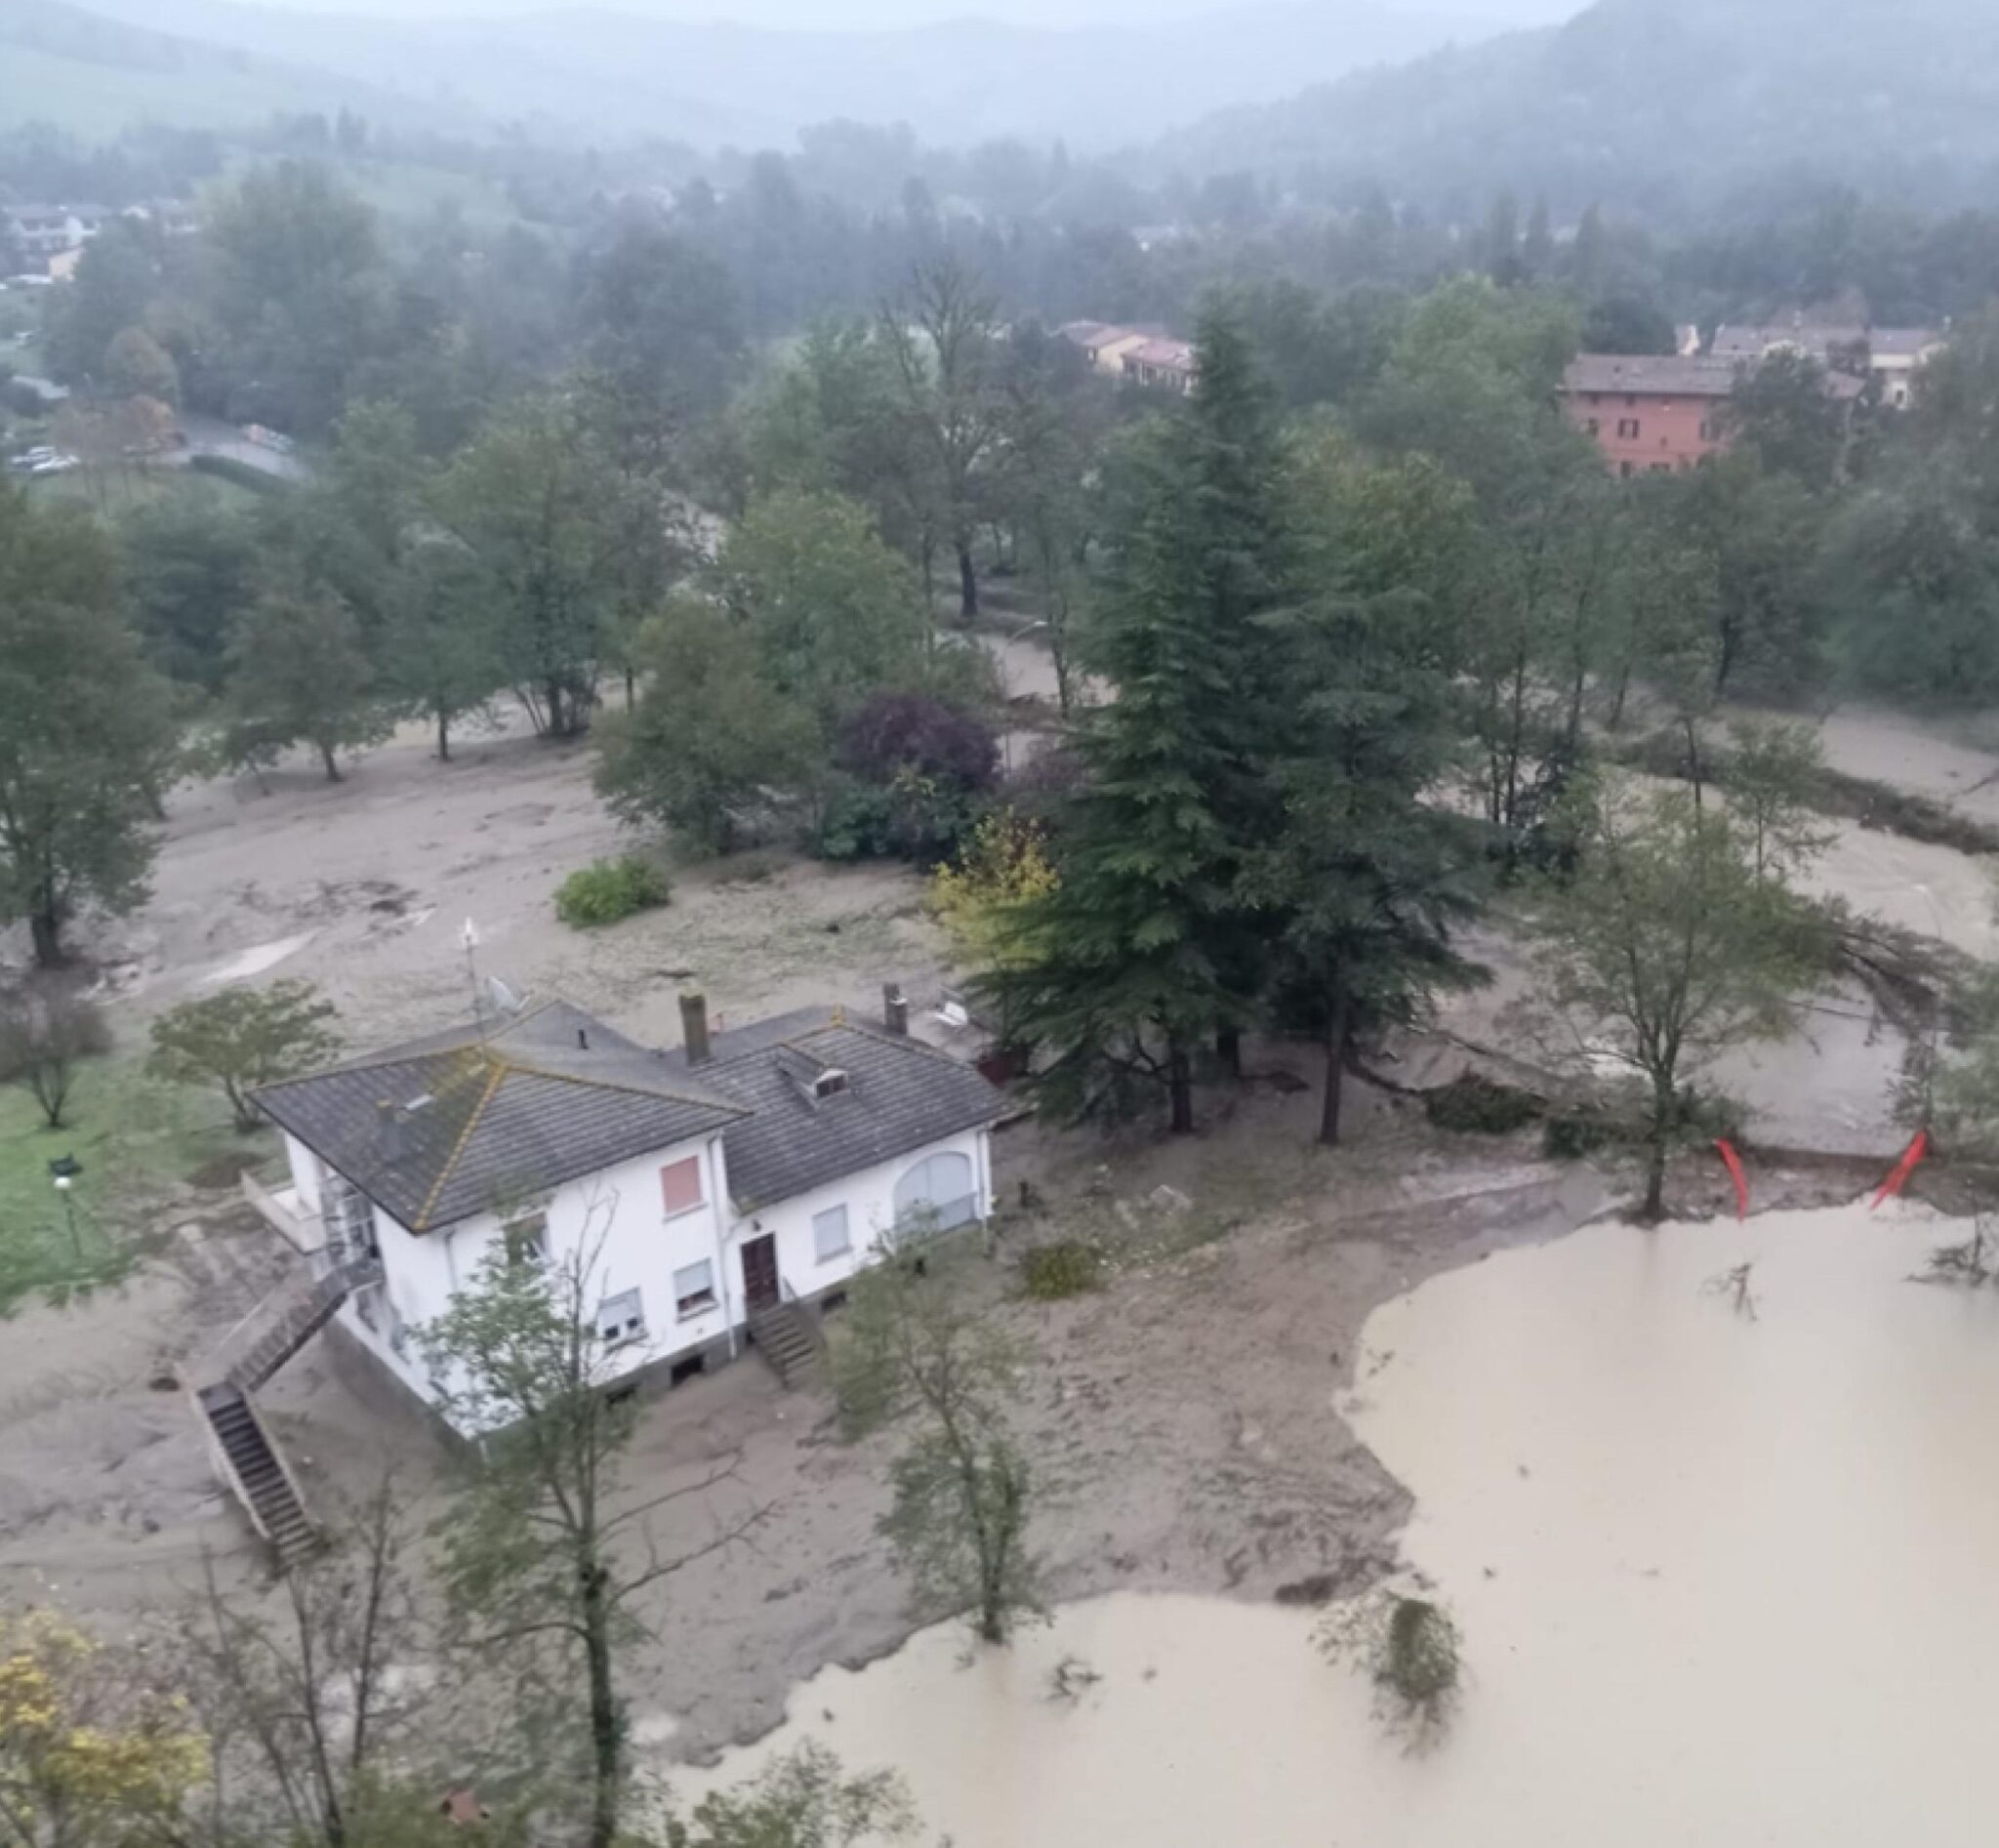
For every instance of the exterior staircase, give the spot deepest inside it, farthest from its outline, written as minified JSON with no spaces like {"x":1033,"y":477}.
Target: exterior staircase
{"x":293,"y":1325}
{"x":249,"y":1358}
{"x":788,"y":1337}
{"x":253,"y":1467}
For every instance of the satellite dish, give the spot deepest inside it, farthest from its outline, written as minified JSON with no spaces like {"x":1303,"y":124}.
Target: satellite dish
{"x":505,"y":999}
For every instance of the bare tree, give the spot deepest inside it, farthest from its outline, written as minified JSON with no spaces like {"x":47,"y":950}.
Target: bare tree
{"x":538,"y":1549}
{"x":944,"y":334}
{"x":320,"y":1726}
{"x":46,"y":1032}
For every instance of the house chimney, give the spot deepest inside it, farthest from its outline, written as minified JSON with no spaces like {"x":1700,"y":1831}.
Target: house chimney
{"x":694,"y":1028}
{"x":895,"y":1010}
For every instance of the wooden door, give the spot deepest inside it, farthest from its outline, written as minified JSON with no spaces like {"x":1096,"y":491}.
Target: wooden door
{"x":760,"y":1272}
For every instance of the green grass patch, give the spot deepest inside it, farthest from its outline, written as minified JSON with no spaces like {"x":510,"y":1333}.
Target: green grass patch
{"x":135,"y":1140}
{"x":119,"y":490}
{"x":1067,"y":1267}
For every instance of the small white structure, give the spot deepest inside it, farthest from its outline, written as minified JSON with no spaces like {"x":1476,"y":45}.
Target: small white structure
{"x":722,"y":1189}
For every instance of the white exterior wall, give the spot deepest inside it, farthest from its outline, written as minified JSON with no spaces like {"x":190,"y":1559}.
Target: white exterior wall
{"x":620,"y":1214}
{"x":869,"y":1200}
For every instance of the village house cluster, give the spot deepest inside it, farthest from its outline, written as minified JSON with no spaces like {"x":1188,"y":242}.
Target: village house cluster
{"x":1665,"y":414}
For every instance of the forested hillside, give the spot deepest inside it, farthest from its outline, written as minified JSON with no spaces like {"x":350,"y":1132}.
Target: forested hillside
{"x":1660,"y":106}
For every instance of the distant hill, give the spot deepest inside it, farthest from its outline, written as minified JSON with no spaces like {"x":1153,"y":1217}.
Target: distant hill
{"x":1663,"y":104}
{"x":95,"y":76}
{"x":597,"y":72}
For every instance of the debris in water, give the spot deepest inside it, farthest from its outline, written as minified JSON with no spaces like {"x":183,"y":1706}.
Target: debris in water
{"x":1735,"y":1285}
{"x":1071,"y":1679}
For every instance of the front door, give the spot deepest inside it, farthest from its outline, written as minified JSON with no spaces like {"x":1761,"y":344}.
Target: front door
{"x":760,"y":1272}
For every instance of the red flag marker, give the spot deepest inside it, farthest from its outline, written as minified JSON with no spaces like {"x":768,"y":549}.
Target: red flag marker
{"x":1741,"y":1180}
{"x":1911,"y":1160}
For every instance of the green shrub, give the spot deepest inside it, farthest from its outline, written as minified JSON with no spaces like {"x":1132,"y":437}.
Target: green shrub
{"x":912,"y":817}
{"x":1068,"y":1267}
{"x":608,"y":890}
{"x":1420,"y":1659}
{"x":1579,"y":1133}
{"x":1472,"y":1105}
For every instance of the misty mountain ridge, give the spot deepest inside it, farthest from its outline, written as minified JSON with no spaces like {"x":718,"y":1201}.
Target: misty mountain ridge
{"x":1658,"y":105}
{"x":602,"y":73}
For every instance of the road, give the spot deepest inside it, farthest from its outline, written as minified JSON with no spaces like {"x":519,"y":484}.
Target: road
{"x":211,"y":436}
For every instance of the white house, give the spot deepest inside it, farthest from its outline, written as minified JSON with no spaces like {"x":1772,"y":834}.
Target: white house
{"x":723,"y":1189}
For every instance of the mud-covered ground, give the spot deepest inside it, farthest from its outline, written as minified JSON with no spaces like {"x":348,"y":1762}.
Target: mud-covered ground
{"x":1182,"y":1419}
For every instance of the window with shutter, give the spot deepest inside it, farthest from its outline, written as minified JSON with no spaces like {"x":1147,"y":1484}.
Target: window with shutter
{"x":829,"y":1234}
{"x":694,"y":1289}
{"x":681,"y":1186}
{"x":622,"y":1318}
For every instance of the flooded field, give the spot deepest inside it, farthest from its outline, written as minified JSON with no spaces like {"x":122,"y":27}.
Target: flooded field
{"x":1720,"y":1578}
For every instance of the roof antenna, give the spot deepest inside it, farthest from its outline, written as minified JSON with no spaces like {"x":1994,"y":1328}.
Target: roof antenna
{"x":470,"y":937}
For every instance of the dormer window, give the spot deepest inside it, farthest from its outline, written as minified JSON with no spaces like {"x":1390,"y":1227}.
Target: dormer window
{"x":830,"y":1082}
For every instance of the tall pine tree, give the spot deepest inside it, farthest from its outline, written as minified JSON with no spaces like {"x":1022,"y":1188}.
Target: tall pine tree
{"x":1366,"y":885}
{"x":1146,"y":946}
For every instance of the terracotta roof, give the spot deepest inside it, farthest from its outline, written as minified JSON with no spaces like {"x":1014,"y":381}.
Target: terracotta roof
{"x":1174,"y":354}
{"x":441,"y":1128}
{"x":1652,"y":375}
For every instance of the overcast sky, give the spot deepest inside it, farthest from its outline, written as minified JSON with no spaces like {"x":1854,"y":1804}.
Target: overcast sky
{"x":889,"y":13}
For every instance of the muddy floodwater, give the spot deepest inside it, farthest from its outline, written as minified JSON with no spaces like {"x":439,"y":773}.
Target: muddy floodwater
{"x":1720,"y":1580}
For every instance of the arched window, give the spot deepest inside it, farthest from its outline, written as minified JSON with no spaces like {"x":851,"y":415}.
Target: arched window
{"x":937,"y":1194}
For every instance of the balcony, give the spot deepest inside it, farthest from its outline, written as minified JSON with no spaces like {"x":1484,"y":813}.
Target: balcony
{"x":286,"y":1214}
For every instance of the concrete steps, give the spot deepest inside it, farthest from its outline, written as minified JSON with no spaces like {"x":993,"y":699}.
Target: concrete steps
{"x":256,"y":1474}
{"x":292,"y":1327}
{"x":787,"y":1338}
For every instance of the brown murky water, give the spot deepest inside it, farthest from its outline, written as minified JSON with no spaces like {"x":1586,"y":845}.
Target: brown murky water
{"x":1719,"y":1581}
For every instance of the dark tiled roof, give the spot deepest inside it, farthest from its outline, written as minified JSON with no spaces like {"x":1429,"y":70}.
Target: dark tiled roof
{"x":1752,"y":342}
{"x":473,"y":1123}
{"x":1902,"y":343}
{"x":1651,"y":375}
{"x":899,"y":1096}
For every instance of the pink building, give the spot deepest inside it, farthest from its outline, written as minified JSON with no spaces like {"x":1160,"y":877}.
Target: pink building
{"x":1650,"y":415}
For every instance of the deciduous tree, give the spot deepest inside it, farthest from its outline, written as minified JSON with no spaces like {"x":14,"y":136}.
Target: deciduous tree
{"x":945,"y":336}
{"x":538,"y":1546}
{"x":86,"y":727}
{"x":241,"y":1038}
{"x":913,"y":1345}
{"x":835,"y":615}
{"x":1665,"y":948}
{"x":300,"y":673}
{"x":92,"y":1749}
{"x":804,"y":1800}
{"x":711,"y":739}
{"x":539,"y":505}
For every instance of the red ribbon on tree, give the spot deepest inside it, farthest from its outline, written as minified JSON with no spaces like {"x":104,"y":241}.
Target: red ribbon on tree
{"x":1734,"y":1163}
{"x":1912,"y":1159}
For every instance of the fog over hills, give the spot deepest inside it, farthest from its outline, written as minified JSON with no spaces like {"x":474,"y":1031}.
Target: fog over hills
{"x":603,"y":72}
{"x":1653,"y":105}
